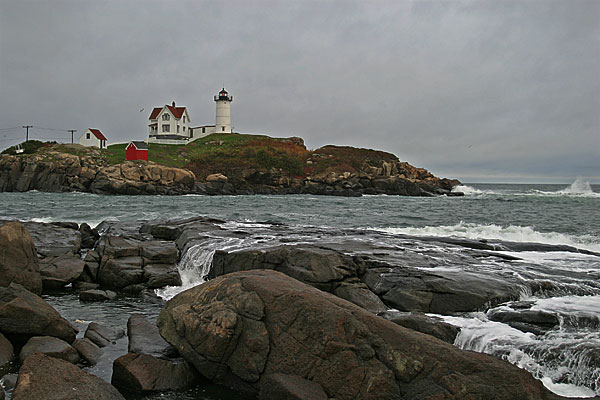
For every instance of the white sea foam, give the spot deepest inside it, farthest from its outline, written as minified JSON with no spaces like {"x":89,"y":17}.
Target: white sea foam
{"x":468,"y":190}
{"x":511,"y":233}
{"x":579,"y":187}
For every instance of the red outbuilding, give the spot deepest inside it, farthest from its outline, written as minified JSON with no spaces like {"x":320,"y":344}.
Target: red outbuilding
{"x":136,"y":150}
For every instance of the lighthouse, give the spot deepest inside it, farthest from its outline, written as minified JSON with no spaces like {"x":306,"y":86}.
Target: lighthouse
{"x":223,"y":120}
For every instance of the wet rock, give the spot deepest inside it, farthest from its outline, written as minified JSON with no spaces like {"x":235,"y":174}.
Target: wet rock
{"x":59,"y":271}
{"x":143,"y":373}
{"x":101,"y":335}
{"x":242,"y":327}
{"x":424,"y":324}
{"x":166,"y":232}
{"x":117,"y":273}
{"x":88,"y":350}
{"x":325,"y":269}
{"x":6,"y":352}
{"x":50,"y":346}
{"x":290,"y":387}
{"x":97,"y":295}
{"x":52,"y":241}
{"x":24,"y":314}
{"x":359,"y":294}
{"x":83,"y":286}
{"x":534,"y":321}
{"x":66,"y":224}
{"x":18,"y":258}
{"x":440,"y":292}
{"x":161,"y":275}
{"x":41,"y":375}
{"x":144,"y":338}
{"x":159,"y":252}
{"x":89,"y":236}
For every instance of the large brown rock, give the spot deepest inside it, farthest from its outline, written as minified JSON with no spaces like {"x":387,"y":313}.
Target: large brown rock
{"x":46,"y":378}
{"x":240,"y":328}
{"x":143,"y":373}
{"x":325,"y":269}
{"x":18,"y":258}
{"x":24,"y":314}
{"x":50,"y":346}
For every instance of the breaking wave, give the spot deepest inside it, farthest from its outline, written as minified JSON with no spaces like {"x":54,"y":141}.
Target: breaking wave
{"x":511,"y":233}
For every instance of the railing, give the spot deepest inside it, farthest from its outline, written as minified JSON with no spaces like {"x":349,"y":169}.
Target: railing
{"x":228,"y":98}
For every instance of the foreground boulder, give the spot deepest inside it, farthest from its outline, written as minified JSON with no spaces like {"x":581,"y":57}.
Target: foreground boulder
{"x":24,"y":314}
{"x":18,"y":258}
{"x":143,"y":373}
{"x":42,"y":377}
{"x":325,"y":269}
{"x":49,"y":346}
{"x":240,"y":328}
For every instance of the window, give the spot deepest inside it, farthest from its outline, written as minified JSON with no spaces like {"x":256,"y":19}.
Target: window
{"x":177,"y":128}
{"x":223,"y":129}
{"x":184,"y":128}
{"x":87,"y":135}
{"x":203,"y":130}
{"x":184,"y":119}
{"x":166,"y":117}
{"x":166,"y":128}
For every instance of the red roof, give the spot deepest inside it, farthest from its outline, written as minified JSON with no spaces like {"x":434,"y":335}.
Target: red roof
{"x":98,"y":134}
{"x":176,"y":111}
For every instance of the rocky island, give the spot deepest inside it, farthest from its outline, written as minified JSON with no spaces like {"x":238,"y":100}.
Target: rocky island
{"x":218,"y":164}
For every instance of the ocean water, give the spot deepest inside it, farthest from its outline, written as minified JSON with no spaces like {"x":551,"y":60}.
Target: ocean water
{"x":567,"y":359}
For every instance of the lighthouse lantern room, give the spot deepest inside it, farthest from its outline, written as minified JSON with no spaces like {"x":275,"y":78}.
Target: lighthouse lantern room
{"x":223,"y":120}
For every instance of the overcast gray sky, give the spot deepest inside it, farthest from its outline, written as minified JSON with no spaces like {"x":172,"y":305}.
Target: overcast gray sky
{"x":475,"y":90}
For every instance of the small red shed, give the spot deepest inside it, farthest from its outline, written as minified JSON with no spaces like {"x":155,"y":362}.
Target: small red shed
{"x":136,"y":150}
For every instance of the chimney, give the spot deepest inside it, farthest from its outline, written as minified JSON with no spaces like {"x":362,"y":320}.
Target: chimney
{"x":173,"y":103}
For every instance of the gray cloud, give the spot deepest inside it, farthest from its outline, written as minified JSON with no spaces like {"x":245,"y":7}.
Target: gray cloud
{"x":503,"y":90}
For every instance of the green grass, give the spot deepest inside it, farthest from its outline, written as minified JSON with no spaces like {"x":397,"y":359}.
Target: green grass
{"x":237,"y":155}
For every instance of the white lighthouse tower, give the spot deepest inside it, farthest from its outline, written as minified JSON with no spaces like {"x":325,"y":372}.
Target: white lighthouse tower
{"x":223,"y":121}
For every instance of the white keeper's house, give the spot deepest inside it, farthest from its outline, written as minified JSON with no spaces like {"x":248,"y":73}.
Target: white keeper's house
{"x":171,"y":124}
{"x":93,"y":137}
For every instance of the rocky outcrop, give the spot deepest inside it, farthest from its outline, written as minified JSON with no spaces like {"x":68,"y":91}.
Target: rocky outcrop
{"x":128,"y":262}
{"x":151,"y":364}
{"x":42,"y":377}
{"x":76,"y":168}
{"x":240,"y":328}
{"x":24,"y":314}
{"x":322,"y":268}
{"x":60,"y":171}
{"x":373,"y":285}
{"x":18,"y":259}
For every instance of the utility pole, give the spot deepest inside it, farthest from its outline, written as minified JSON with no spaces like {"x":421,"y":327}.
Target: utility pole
{"x":27,"y":135}
{"x":71,"y":130}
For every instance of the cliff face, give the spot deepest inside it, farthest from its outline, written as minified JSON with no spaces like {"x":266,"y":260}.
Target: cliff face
{"x":255,"y":168}
{"x":55,"y":171}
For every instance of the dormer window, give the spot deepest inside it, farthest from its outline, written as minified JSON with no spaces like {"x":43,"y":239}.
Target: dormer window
{"x":166,"y":117}
{"x":184,"y":119}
